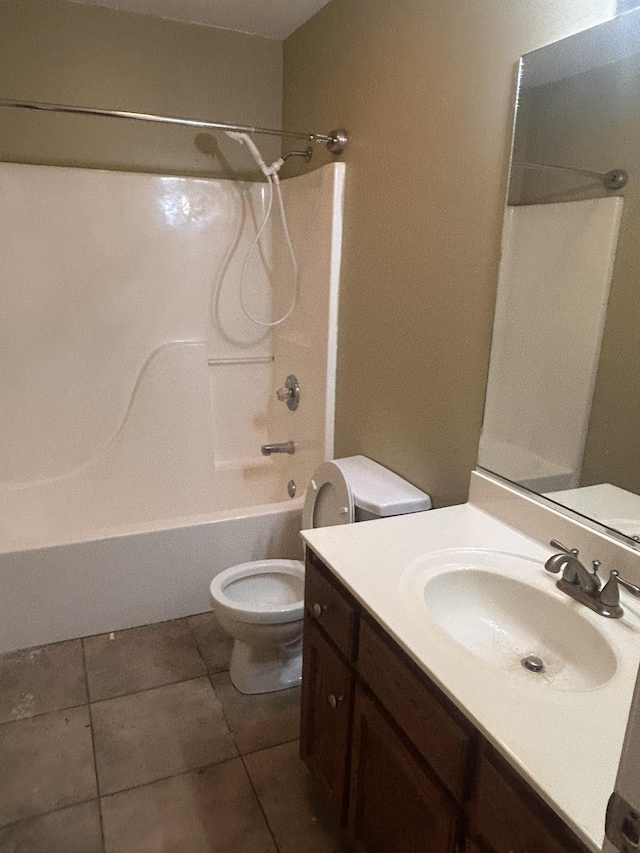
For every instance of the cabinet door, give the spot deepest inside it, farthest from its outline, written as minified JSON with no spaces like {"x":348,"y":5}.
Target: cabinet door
{"x":327,"y":686}
{"x":394,"y":806}
{"x":506,"y":816}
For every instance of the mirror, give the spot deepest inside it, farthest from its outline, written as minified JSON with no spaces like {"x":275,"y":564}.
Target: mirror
{"x":562,"y":412}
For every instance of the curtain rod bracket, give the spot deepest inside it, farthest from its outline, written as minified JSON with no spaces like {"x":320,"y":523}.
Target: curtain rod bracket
{"x":337,"y":141}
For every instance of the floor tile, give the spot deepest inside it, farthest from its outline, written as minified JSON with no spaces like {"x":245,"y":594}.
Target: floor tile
{"x":47,"y":763}
{"x":283,"y":786}
{"x":141,"y":658}
{"x":214,"y":643}
{"x":262,"y":720}
{"x":73,"y":830}
{"x":45,"y":678}
{"x":157,"y":733}
{"x":213,"y":810}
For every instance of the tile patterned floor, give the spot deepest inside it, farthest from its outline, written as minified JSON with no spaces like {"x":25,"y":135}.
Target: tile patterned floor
{"x":140,"y":744}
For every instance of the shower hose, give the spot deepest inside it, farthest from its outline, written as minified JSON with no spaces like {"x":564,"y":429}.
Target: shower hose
{"x":271,"y":174}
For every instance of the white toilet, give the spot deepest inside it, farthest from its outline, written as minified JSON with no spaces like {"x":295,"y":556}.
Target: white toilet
{"x":261,"y":603}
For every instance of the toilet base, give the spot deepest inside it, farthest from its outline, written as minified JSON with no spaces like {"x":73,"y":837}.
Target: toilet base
{"x":265,"y":670}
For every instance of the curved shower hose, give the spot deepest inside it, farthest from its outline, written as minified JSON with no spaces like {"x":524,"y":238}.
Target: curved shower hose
{"x":271,"y":174}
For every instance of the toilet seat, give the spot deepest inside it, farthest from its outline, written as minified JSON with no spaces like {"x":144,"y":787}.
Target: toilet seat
{"x":262,"y":591}
{"x":329,"y":501}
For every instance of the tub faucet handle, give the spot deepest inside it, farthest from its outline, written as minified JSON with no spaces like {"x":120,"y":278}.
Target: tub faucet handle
{"x":289,"y":393}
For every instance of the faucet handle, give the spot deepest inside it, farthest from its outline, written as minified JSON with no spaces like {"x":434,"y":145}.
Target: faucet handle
{"x":560,"y":547}
{"x":610,"y":594}
{"x":630,"y":587}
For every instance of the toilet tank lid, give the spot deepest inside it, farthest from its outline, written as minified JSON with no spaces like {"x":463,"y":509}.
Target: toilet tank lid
{"x":378,"y":490}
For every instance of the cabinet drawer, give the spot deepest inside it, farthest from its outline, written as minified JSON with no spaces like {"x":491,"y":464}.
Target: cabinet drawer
{"x":507,"y":816}
{"x":328,"y":607}
{"x":443,"y":741}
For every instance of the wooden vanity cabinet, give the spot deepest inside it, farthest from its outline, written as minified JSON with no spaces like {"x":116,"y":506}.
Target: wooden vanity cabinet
{"x":398,"y":765}
{"x":394,"y":805}
{"x":506,"y":815}
{"x":327,"y":700}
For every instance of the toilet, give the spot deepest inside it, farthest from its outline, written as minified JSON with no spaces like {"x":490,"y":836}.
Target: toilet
{"x":261,"y":603}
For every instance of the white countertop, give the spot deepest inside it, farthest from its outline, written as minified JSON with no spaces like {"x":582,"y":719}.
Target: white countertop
{"x":566,"y":744}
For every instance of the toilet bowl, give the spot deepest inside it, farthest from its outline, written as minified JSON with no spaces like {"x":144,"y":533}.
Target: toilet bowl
{"x":261,"y":603}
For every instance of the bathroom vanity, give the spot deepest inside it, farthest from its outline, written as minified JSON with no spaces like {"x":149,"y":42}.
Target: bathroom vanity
{"x":401,"y":768}
{"x":418,"y":743}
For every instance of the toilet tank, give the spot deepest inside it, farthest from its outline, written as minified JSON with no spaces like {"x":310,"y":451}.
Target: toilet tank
{"x":378,"y":492}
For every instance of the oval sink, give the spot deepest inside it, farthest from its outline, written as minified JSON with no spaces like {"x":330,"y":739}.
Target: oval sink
{"x":505,"y":621}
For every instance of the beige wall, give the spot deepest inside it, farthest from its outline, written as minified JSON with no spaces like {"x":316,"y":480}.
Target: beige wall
{"x":592,"y":120}
{"x":426,"y":91}
{"x":90,"y":56}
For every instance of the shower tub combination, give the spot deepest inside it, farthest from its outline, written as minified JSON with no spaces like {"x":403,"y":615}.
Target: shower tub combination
{"x":138,"y":394}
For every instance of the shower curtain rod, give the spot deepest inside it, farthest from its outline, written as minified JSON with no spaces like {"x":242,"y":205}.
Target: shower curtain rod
{"x":335,"y":140}
{"x":616,"y":179}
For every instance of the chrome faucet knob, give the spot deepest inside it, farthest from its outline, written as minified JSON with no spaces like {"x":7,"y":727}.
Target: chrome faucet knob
{"x":290,"y":393}
{"x":630,"y":587}
{"x":555,"y":544}
{"x":610,"y":595}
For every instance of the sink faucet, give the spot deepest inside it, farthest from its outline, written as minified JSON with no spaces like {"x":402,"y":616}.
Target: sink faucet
{"x":573,"y":570}
{"x":584,"y":586}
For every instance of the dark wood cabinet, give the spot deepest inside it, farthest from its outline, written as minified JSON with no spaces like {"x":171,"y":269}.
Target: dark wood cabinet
{"x":326,"y":716}
{"x":394,"y":806}
{"x":506,"y":815}
{"x":398,"y":765}
{"x":435,"y":728}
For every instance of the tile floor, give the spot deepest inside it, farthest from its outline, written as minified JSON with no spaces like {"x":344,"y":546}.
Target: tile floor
{"x":141,"y":744}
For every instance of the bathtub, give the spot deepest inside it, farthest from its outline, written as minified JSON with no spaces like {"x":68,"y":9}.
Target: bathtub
{"x":119,"y":578}
{"x":138,"y":394}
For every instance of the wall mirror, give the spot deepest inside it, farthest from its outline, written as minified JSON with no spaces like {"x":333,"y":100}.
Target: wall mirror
{"x":562,"y":412}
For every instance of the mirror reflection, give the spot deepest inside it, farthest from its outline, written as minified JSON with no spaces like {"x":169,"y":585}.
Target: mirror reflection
{"x":562,"y":412}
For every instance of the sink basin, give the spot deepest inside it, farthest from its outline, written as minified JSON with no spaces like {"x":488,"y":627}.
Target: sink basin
{"x":478,"y":599}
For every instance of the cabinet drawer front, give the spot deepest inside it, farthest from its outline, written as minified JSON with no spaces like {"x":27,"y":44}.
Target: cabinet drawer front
{"x":505,"y":817}
{"x":443,"y":742}
{"x":328,"y":607}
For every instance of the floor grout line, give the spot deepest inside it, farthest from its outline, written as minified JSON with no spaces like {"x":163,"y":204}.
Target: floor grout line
{"x":148,"y":689}
{"x":44,"y":713}
{"x":13,"y":823}
{"x":260,"y":806}
{"x":171,"y":776}
{"x":93,"y":747}
{"x":253,"y":788}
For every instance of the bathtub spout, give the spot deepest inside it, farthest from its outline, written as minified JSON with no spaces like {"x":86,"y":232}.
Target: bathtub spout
{"x":285,"y":447}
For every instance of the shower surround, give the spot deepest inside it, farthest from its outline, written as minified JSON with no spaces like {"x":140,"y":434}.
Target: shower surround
{"x":136,"y":394}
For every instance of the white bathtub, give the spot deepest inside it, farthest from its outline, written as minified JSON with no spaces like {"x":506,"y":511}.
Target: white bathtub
{"x":122,"y":579}
{"x":138,"y":393}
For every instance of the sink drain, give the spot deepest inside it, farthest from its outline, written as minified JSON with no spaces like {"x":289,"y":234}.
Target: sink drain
{"x":533,"y":663}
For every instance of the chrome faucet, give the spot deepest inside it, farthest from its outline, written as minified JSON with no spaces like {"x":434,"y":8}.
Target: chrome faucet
{"x":285,"y":447}
{"x":573,"y":571}
{"x":585,"y":586}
